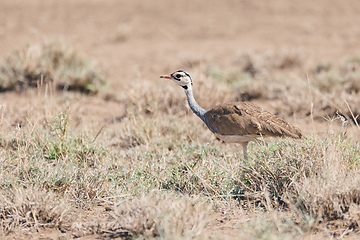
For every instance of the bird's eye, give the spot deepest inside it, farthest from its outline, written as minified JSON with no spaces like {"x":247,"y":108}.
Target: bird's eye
{"x":178,"y":76}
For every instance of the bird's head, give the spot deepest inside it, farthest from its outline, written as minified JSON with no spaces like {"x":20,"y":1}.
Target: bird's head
{"x":181,"y":78}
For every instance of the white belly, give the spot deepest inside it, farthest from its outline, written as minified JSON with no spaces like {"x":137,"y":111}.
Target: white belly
{"x":237,"y":138}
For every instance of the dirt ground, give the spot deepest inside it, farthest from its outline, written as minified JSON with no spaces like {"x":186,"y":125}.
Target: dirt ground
{"x":141,"y":40}
{"x":138,"y":41}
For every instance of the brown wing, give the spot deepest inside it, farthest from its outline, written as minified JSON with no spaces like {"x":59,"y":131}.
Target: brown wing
{"x":243,"y":118}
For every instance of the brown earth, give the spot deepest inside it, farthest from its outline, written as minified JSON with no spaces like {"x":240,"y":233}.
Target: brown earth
{"x":134,"y":40}
{"x":141,"y":40}
{"x":137,"y":41}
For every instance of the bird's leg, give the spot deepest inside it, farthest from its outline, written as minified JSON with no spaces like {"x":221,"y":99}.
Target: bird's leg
{"x":244,"y":145}
{"x":240,"y":184}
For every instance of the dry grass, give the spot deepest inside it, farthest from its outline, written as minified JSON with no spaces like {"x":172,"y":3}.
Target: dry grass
{"x":334,"y":87}
{"x":264,"y":63}
{"x":54,"y":62}
{"x":159,"y":173}
{"x":163,"y":97}
{"x":295,"y":177}
{"x":332,"y":194}
{"x":168,"y":216}
{"x":32,"y":207}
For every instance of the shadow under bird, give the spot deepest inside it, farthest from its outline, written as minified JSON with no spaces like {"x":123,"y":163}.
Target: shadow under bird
{"x":236,"y":122}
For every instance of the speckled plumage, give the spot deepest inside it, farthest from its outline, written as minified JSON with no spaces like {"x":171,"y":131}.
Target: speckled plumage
{"x":245,"y":119}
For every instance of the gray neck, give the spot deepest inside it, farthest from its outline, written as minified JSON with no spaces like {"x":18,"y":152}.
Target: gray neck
{"x":199,"y":111}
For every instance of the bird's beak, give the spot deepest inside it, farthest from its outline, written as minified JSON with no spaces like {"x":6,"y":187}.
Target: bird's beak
{"x":166,"y":76}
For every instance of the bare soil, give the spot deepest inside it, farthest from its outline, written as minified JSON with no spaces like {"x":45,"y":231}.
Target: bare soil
{"x":140,"y":40}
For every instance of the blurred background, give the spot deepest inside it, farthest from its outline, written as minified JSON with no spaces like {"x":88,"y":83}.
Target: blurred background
{"x":132,"y":38}
{"x":244,"y":44}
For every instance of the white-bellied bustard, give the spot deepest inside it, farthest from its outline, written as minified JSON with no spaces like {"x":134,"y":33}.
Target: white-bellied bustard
{"x":237,"y":122}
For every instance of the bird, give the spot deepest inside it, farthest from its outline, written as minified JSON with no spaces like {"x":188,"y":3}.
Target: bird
{"x":235,"y":122}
